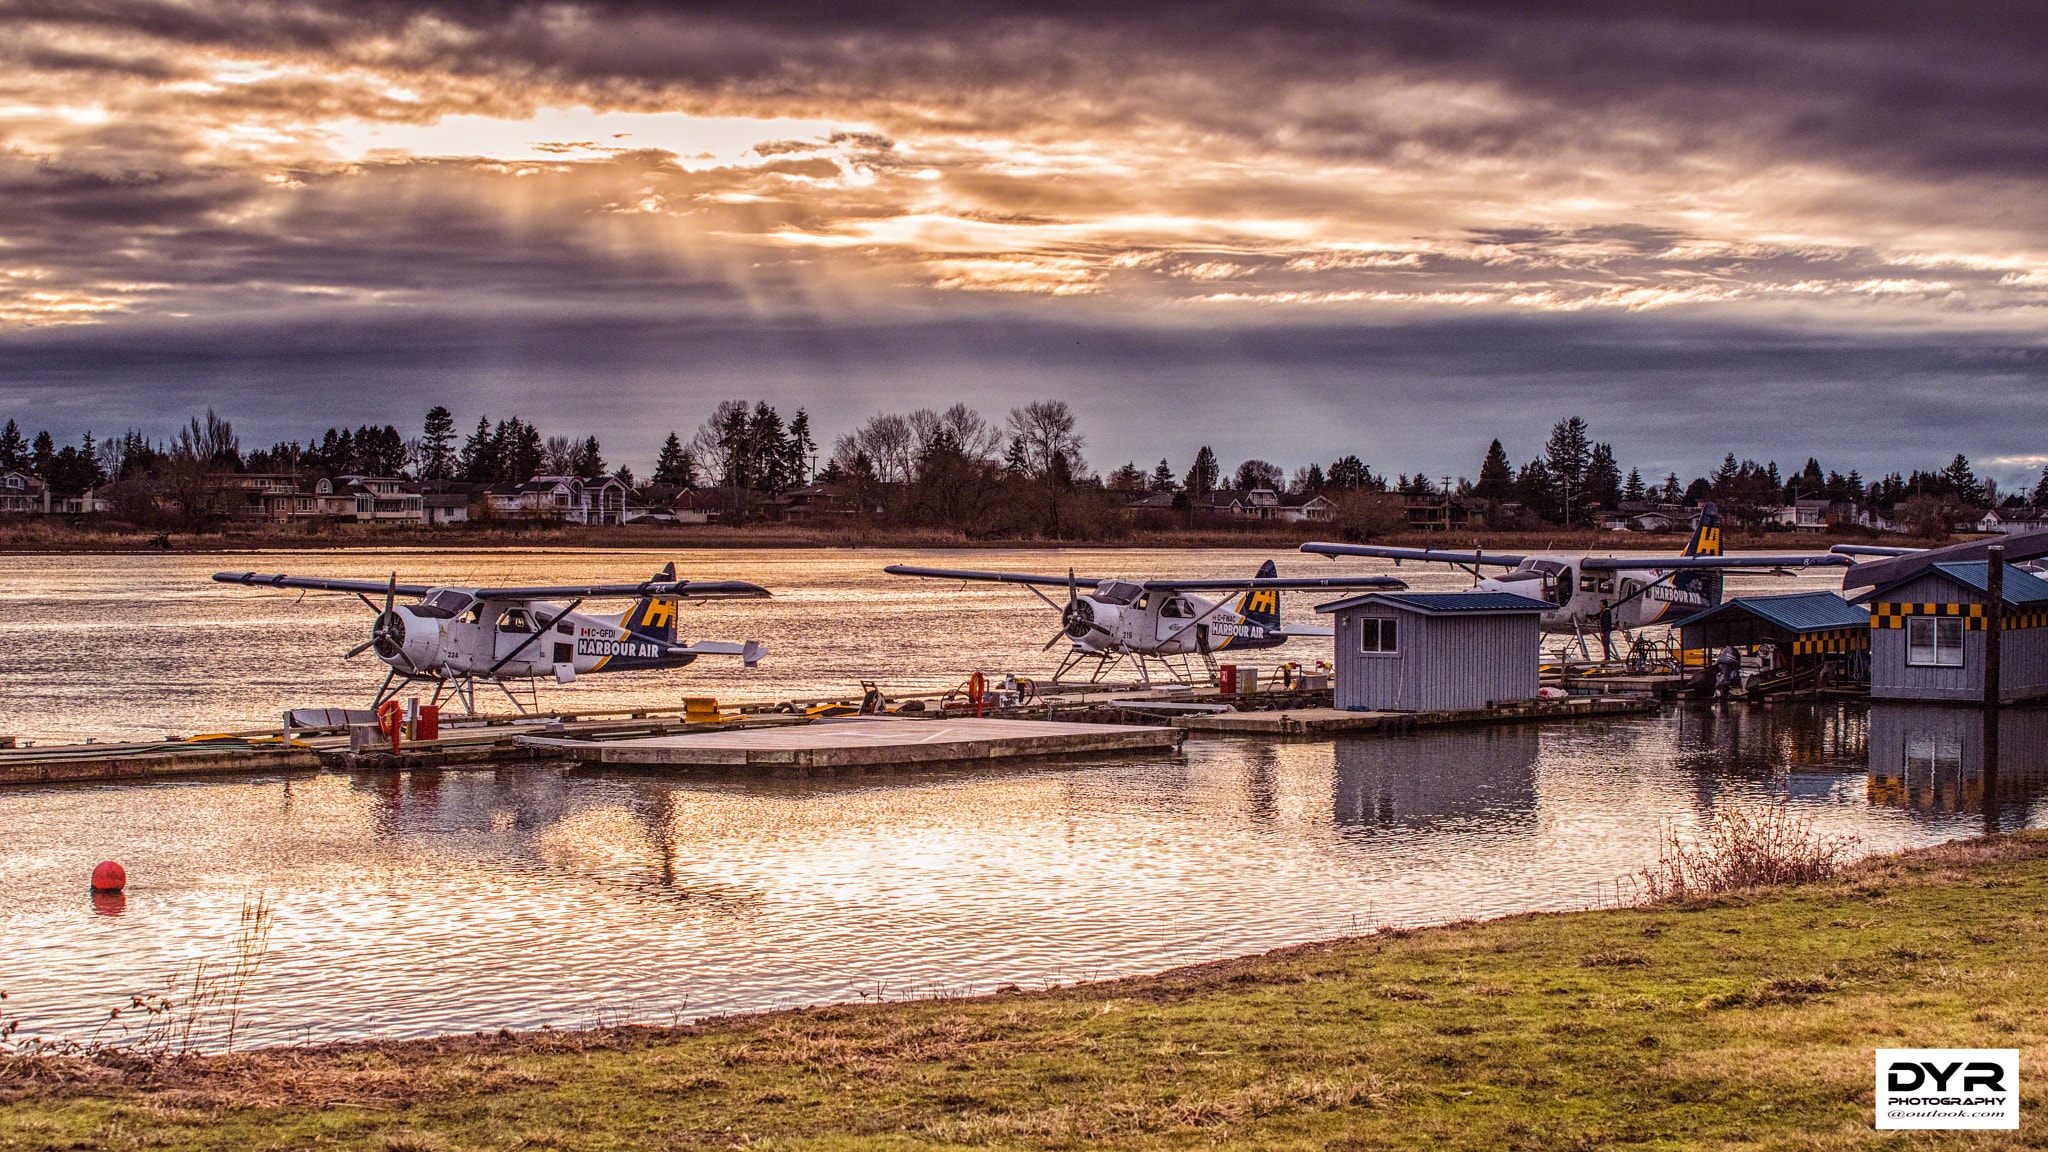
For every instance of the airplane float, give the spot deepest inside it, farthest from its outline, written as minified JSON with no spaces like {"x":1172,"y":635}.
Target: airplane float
{"x":456,"y":637}
{"x":1161,"y":620}
{"x":1599,"y":594}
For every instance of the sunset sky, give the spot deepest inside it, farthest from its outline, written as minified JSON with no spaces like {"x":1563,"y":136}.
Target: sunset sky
{"x":1287,"y":230}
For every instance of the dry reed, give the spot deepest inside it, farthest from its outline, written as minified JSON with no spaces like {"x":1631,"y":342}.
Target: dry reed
{"x":1743,"y":846}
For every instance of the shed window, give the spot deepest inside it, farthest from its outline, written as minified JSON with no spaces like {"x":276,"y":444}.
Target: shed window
{"x":1934,"y":641}
{"x":1376,"y":635}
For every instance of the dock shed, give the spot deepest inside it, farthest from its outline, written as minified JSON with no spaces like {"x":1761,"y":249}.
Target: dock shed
{"x":1927,"y":634}
{"x":1435,"y":651}
{"x":1807,"y":628}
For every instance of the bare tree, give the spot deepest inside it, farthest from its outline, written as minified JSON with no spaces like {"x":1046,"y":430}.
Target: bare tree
{"x":715,"y":449}
{"x":890,"y":444}
{"x":1044,"y":430}
{"x":560,"y":455}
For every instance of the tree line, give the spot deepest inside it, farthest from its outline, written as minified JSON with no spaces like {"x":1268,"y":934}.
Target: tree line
{"x":1022,"y":473}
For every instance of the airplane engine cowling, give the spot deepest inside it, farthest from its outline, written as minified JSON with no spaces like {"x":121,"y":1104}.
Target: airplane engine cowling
{"x":409,"y":642}
{"x":1085,"y":616}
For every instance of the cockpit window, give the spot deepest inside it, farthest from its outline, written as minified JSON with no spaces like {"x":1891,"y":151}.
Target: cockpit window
{"x":1177,"y":608}
{"x":515,"y":620}
{"x":1117,"y":592}
{"x":443,"y":605}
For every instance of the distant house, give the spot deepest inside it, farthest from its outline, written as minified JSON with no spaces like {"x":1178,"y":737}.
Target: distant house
{"x":816,"y":501}
{"x":447,"y":501}
{"x":1249,"y":504}
{"x":22,"y":494}
{"x":2006,"y":521}
{"x":368,"y":500}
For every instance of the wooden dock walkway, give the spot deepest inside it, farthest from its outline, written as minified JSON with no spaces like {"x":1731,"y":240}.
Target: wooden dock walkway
{"x":1323,"y":723}
{"x":863,"y":744}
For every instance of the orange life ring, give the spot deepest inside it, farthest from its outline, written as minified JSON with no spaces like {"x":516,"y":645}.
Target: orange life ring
{"x":977,"y":687}
{"x":390,"y":717}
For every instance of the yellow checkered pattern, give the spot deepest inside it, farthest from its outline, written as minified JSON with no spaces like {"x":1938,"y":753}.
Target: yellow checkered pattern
{"x":1846,"y":640}
{"x":1884,"y":615}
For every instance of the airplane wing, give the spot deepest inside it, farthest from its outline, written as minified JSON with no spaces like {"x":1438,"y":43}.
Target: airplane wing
{"x":1439,"y":555}
{"x":1000,"y":577}
{"x":680,"y":589}
{"x":1278,"y":583}
{"x":322,"y":584}
{"x":1732,"y":560}
{"x":1871,"y":550}
{"x":1302,"y":630}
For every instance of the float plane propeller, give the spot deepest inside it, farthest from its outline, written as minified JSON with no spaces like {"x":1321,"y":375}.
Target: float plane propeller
{"x":1600,"y":594}
{"x":1161,"y":620}
{"x":455,"y":637}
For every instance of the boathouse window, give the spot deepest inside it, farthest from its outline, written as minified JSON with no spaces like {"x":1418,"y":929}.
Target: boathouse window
{"x":1934,"y":641}
{"x":1376,"y":635}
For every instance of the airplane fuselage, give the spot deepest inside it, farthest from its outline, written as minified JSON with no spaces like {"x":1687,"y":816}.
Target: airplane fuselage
{"x":1123,"y":616}
{"x":1582,"y":599}
{"x":451,"y":632}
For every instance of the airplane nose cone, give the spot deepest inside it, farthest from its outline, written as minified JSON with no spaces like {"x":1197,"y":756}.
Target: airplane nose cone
{"x":388,"y":633}
{"x":1078,"y":619}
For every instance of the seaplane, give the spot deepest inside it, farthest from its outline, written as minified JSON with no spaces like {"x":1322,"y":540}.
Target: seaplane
{"x":1600,"y":594}
{"x":1161,"y":621}
{"x":456,"y":637}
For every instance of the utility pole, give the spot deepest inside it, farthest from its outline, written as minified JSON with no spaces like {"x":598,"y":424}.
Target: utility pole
{"x":1994,"y":623}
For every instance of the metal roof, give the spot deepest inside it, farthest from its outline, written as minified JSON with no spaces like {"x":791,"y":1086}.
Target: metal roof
{"x":1800,"y":612}
{"x":1444,"y":602}
{"x":2019,"y":547}
{"x":2021,"y":586}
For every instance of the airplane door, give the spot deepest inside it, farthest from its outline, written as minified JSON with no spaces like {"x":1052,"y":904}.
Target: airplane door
{"x":514,"y":628}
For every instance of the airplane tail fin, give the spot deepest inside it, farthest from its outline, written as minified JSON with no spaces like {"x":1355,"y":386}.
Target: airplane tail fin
{"x":654,"y":616}
{"x":1261,"y":605}
{"x":1706,"y":535}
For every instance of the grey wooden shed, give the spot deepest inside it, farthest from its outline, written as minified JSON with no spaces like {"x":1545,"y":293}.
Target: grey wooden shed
{"x":1927,"y":635}
{"x":1435,"y":651}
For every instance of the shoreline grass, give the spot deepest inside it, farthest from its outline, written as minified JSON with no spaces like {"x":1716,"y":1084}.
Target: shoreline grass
{"x":1747,"y":1019}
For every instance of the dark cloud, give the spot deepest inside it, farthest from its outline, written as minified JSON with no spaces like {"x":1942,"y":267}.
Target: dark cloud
{"x":1669,"y":393}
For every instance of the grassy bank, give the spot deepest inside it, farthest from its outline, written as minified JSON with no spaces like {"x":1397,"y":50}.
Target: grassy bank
{"x":1745,"y":1021}
{"x":56,"y":536}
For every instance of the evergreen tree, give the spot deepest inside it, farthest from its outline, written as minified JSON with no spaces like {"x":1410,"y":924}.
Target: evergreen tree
{"x":2041,"y":490}
{"x":479,"y":458}
{"x":674,"y":466}
{"x":798,"y":449}
{"x":1203,"y":474}
{"x":1312,"y":480}
{"x":13,"y":447}
{"x":1354,"y":475}
{"x":1671,"y":492}
{"x":1496,"y":475}
{"x":1129,"y":479}
{"x":1259,"y":474}
{"x":1536,"y":489}
{"x":1603,"y":478}
{"x":589,"y":459}
{"x":1961,"y":481}
{"x":769,"y":465}
{"x":1565,"y":459}
{"x":523,"y":451}
{"x":437,"y":445}
{"x":1162,"y":476}
{"x":1633,"y":491}
{"x":42,"y":454}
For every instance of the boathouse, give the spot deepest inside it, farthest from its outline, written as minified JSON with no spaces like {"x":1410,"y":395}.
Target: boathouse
{"x":1806,"y":628}
{"x":1928,"y":632}
{"x":1435,"y":651}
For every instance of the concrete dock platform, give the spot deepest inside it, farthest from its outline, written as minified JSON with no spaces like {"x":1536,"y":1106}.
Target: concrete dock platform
{"x":860,"y":745}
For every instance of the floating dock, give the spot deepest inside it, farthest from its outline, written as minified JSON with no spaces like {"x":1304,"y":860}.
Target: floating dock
{"x":866,"y":744}
{"x":1323,"y":723}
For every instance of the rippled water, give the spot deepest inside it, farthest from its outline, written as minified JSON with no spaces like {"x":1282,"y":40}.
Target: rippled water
{"x":531,"y":894}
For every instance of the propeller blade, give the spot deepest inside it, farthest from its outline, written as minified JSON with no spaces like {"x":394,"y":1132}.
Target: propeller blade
{"x":1073,"y":593}
{"x":359,"y":649}
{"x":1056,"y":638}
{"x":391,"y":592}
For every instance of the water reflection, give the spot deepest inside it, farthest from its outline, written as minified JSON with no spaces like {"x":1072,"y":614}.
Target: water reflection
{"x":1932,"y":759}
{"x":1479,"y":774}
{"x":520,"y":895}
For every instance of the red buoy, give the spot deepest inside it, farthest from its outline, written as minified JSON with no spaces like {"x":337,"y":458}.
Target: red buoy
{"x":109,"y":877}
